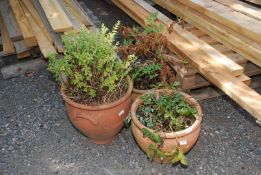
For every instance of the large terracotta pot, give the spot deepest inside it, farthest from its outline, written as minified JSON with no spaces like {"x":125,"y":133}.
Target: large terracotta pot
{"x":185,"y":138}
{"x":100,"y":123}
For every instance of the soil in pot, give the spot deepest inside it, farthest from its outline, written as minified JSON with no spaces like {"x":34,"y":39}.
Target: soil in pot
{"x":175,"y":121}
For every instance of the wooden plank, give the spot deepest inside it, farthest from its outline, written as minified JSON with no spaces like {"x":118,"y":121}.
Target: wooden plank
{"x":78,"y":13}
{"x":211,"y":92}
{"x":55,"y":37}
{"x":222,"y":49}
{"x":209,"y":40}
{"x":197,"y":81}
{"x":245,"y":79}
{"x":26,"y":31}
{"x":257,"y":2}
{"x":23,"y":67}
{"x":220,"y":58}
{"x":243,"y":8}
{"x":24,"y":54}
{"x":45,"y":45}
{"x":238,"y":91}
{"x":76,"y":24}
{"x":215,"y":30}
{"x":8,"y":45}
{"x":10,"y":21}
{"x":198,"y":32}
{"x":21,"y":50}
{"x":239,"y":22}
{"x":237,"y":58}
{"x":56,"y":16}
{"x":28,"y":4}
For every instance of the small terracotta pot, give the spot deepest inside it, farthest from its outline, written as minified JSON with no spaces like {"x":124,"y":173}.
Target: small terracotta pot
{"x":100,"y":123}
{"x":185,"y":138}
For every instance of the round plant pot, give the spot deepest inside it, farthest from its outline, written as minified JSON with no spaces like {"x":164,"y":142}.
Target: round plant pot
{"x":100,"y":123}
{"x":137,"y":92}
{"x":185,"y":138}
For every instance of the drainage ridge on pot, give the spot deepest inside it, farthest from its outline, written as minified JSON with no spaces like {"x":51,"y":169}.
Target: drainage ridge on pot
{"x":185,"y":139}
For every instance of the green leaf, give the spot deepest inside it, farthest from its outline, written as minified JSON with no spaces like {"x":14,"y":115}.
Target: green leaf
{"x":185,"y":61}
{"x":127,"y":121}
{"x":152,"y":136}
{"x":175,"y":160}
{"x":159,"y":154}
{"x":146,"y":133}
{"x":178,"y":156}
{"x":148,"y":155}
{"x":150,"y":149}
{"x":183,"y":161}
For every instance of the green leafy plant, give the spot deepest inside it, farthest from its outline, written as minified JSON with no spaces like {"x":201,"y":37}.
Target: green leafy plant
{"x":148,"y":46}
{"x":91,"y":64}
{"x":147,"y":73}
{"x":168,"y":113}
{"x":165,"y":112}
{"x":153,"y":26}
{"x":154,"y":150}
{"x":151,"y":70}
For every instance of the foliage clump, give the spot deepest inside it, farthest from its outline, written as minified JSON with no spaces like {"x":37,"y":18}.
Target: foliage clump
{"x":90,"y":62}
{"x":165,"y":112}
{"x":154,"y":150}
{"x":149,"y":46}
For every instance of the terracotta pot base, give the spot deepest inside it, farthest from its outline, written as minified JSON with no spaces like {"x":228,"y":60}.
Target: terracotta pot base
{"x":103,"y":142}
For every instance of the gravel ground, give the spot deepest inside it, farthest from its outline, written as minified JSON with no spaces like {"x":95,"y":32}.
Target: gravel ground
{"x":36,"y":136}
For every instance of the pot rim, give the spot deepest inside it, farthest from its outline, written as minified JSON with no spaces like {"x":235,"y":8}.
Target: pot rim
{"x":141,"y":91}
{"x":169,"y":135}
{"x":100,"y":106}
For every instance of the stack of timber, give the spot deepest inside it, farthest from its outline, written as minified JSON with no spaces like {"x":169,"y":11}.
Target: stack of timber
{"x":30,"y":25}
{"x":231,"y":26}
{"x":206,"y":54}
{"x":217,"y":18}
{"x":189,"y":77}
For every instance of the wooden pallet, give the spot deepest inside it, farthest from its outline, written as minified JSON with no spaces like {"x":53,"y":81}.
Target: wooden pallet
{"x":189,"y":77}
{"x":233,"y":29}
{"x":201,"y":56}
{"x":196,"y":81}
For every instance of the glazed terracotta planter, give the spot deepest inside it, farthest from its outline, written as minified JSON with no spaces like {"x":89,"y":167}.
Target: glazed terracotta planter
{"x":185,"y":138}
{"x":100,"y":123}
